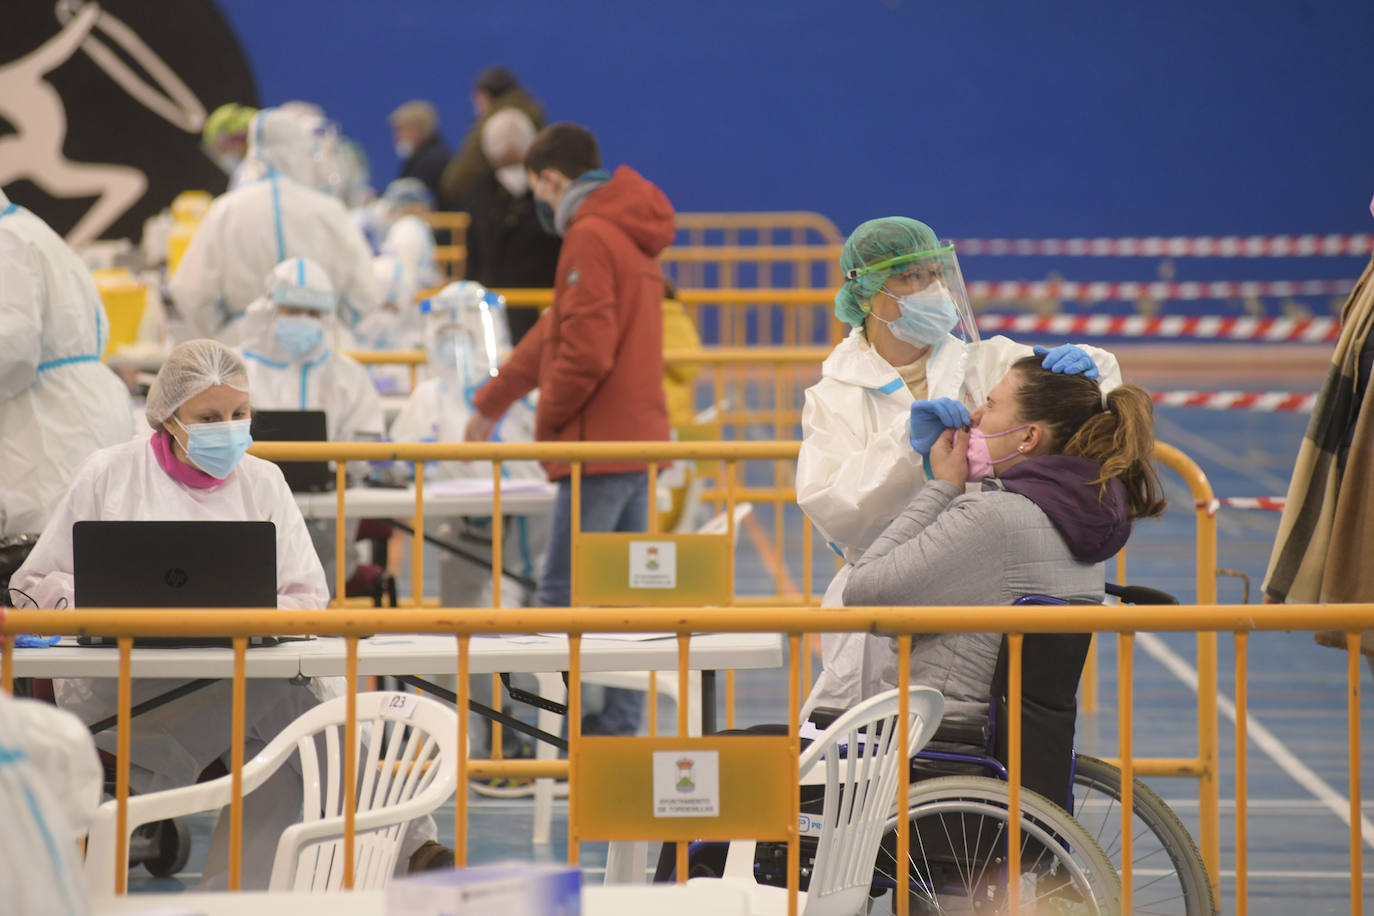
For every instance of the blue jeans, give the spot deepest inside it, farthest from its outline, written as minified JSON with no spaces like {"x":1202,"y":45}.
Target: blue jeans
{"x":610,"y":502}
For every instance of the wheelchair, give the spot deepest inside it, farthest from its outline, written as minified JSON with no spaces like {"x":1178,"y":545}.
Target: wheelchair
{"x":958,"y":807}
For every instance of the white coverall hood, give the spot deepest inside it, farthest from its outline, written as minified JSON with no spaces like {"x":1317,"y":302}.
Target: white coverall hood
{"x":281,"y":141}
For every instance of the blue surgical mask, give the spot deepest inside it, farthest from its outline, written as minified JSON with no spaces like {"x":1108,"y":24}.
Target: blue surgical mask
{"x":404,"y":149}
{"x":298,"y":335}
{"x":216,"y":448}
{"x":927,"y":316}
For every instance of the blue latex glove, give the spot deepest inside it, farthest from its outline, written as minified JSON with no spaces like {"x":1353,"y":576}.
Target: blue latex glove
{"x":25,"y":641}
{"x":1068,"y":360}
{"x":931,"y":418}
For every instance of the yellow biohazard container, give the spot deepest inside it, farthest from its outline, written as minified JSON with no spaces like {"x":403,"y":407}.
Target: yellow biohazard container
{"x":190,"y":206}
{"x":125,"y":298}
{"x":188,"y":209}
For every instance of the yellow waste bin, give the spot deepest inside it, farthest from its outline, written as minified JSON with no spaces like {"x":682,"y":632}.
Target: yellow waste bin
{"x":125,"y":298}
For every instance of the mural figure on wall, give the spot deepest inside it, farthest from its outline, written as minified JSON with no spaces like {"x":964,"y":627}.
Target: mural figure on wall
{"x":75,"y":145}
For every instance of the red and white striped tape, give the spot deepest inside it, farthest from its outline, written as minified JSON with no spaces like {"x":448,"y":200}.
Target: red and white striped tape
{"x":1264,"y":503}
{"x":1263,"y":401}
{"x":1198,"y":327}
{"x":1227,"y":246}
{"x":1160,"y":291}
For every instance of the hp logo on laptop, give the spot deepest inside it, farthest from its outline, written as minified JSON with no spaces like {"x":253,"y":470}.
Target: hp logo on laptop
{"x":175,"y":577}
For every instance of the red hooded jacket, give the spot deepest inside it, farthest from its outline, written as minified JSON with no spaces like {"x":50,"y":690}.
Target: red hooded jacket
{"x":596,"y":355}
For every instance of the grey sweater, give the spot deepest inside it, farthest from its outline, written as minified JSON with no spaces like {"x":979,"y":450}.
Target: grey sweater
{"x":955,"y":548}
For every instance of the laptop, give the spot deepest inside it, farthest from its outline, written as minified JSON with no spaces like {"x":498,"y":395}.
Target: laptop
{"x":174,"y":564}
{"x":296,"y":426}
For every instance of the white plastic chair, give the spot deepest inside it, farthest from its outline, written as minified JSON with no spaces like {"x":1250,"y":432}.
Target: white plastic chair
{"x":407,"y":767}
{"x":859,"y":790}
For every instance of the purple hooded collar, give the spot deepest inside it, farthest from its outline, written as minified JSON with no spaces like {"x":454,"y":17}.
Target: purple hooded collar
{"x":1095,"y":523}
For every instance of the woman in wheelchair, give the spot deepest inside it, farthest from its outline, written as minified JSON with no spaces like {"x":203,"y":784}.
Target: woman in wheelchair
{"x":1062,"y":478}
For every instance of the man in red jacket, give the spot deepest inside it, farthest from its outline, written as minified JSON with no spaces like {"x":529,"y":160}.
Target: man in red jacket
{"x":596,"y":355}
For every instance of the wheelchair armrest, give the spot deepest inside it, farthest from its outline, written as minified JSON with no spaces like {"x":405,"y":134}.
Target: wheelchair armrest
{"x":1139,"y":594}
{"x":963,"y":734}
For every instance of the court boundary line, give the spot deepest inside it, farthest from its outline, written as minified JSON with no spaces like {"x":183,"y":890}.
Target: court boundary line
{"x":1261,"y":736}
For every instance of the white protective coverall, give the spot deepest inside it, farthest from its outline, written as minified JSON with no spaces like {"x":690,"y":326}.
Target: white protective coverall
{"x":58,"y":402}
{"x":50,"y":787}
{"x":250,"y":230}
{"x":856,"y":472}
{"x":322,"y":379}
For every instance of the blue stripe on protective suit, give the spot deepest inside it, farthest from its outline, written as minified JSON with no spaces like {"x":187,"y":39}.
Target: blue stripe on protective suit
{"x":8,"y":757}
{"x":305,"y":373}
{"x":276,"y":217}
{"x":54,"y":363}
{"x":891,"y":386}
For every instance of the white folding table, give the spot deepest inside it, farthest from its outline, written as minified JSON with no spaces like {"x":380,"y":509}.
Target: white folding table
{"x":443,"y":499}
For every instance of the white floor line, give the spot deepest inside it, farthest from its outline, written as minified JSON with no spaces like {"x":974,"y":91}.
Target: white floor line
{"x":1263,"y":738}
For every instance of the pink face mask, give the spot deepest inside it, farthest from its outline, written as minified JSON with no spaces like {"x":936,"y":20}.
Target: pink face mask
{"x":980,"y":463}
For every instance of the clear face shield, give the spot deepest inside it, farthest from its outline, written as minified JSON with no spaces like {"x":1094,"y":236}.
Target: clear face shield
{"x":928,"y":288}
{"x":468,"y":341}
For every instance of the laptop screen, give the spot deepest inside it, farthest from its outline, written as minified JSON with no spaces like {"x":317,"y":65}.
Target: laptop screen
{"x":296,"y":426}
{"x":175,"y":564}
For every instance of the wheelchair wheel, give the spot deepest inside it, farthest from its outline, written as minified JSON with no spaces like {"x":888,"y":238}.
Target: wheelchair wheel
{"x":957,"y":853}
{"x":1167,"y":873}
{"x":172,"y":839}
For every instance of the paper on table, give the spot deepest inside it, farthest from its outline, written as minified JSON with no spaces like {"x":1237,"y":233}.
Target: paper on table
{"x":481,"y":486}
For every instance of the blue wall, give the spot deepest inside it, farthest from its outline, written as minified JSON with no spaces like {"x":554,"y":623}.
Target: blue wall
{"x":1037,"y":119}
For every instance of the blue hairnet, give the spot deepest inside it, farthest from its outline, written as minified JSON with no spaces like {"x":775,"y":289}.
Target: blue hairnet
{"x":873,"y":252}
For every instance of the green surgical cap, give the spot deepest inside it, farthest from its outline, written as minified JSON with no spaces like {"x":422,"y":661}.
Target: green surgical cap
{"x":875,"y":251}
{"x":230,"y":118}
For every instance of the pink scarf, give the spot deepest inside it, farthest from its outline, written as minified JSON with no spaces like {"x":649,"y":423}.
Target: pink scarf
{"x":179,"y":471}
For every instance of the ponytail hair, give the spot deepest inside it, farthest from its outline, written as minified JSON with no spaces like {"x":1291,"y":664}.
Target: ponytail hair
{"x":1119,"y":437}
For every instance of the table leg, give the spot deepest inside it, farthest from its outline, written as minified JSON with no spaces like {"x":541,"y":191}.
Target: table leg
{"x":161,"y":699}
{"x":708,"y":701}
{"x":506,"y":720}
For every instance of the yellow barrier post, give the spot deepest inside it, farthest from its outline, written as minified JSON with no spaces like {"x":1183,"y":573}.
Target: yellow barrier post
{"x":794,"y":648}
{"x":1124,"y":675}
{"x":1015,"y":642}
{"x":124,"y":714}
{"x":417,"y":539}
{"x":900,"y":893}
{"x":460,"y":798}
{"x":340,"y":514}
{"x":236,"y":763}
{"x":349,"y":794}
{"x":1242,"y":770}
{"x":1352,"y":678}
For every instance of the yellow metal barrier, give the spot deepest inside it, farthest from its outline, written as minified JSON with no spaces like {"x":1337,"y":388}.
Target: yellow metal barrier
{"x":450,"y":252}
{"x":793,"y":621}
{"x":1203,"y":766}
{"x":765,"y":225}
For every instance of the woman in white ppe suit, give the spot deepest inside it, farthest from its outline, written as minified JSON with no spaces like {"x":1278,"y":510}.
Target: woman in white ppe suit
{"x":58,"y":402}
{"x":466,"y":337}
{"x":193,"y":467}
{"x":912,"y":365}
{"x":289,"y":348}
{"x":279,"y":216}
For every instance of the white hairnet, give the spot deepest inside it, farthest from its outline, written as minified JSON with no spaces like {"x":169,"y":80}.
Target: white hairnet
{"x":506,"y":137}
{"x":192,"y":367}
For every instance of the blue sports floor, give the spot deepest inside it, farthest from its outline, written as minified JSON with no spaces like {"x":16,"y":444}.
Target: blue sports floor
{"x":1298,"y":832}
